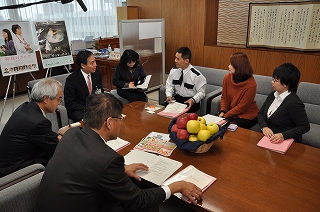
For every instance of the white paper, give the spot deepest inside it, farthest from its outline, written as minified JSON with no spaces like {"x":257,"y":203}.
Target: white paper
{"x":117,"y":144}
{"x":160,"y":168}
{"x":211,"y":118}
{"x":175,"y":107}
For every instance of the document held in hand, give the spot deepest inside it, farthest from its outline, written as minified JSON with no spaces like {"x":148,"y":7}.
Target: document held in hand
{"x":160,"y":167}
{"x":192,"y":175}
{"x":144,"y":85}
{"x":277,"y":147}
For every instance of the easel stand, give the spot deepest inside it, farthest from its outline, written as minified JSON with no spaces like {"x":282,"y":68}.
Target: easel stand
{"x":49,"y":71}
{"x":13,"y":93}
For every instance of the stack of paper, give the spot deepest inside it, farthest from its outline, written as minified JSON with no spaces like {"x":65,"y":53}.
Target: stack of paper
{"x":173,"y":110}
{"x":192,"y":175}
{"x":277,"y":147}
{"x":160,"y":168}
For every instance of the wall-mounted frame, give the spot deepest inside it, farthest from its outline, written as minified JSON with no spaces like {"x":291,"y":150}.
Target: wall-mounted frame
{"x":284,"y":25}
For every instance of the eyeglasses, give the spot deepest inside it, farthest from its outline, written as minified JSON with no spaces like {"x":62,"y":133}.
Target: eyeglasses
{"x":59,"y":99}
{"x":275,"y":80}
{"x":121,"y":118}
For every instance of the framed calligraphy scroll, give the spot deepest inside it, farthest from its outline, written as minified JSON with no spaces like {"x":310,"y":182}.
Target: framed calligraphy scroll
{"x":294,"y":25}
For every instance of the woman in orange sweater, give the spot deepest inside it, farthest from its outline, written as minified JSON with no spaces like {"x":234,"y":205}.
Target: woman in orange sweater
{"x":238,"y":92}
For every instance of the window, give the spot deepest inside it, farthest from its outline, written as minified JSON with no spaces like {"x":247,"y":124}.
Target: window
{"x":99,"y":20}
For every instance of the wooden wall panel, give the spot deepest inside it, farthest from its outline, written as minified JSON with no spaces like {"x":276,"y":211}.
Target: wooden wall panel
{"x":147,"y":9}
{"x":265,"y":61}
{"x":184,"y":27}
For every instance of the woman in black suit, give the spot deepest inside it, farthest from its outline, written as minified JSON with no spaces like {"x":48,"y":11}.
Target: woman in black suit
{"x":128,"y":74}
{"x":283,"y":115}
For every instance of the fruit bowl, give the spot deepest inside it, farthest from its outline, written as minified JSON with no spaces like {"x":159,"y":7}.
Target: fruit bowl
{"x":195,"y":146}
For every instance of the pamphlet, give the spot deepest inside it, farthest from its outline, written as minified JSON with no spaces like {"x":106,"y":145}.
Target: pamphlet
{"x":173,"y":110}
{"x":154,"y":107}
{"x":144,"y":85}
{"x":157,"y":143}
{"x":117,"y":144}
{"x":160,"y":168}
{"x":192,"y":175}
{"x":281,"y":147}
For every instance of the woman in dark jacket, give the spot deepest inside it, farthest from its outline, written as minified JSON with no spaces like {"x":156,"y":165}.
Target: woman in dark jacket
{"x":8,"y":48}
{"x":128,"y":74}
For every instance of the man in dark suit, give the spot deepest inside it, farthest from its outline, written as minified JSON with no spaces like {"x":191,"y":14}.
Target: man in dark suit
{"x":27,"y":137}
{"x":84,"y":81}
{"x":85,"y":174}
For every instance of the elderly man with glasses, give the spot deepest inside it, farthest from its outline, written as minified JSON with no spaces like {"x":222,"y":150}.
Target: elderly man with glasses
{"x":27,"y":137}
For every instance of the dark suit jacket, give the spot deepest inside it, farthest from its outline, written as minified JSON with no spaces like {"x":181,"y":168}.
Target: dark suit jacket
{"x":85,"y":174}
{"x":27,"y":138}
{"x":76,"y":92}
{"x":290,"y":118}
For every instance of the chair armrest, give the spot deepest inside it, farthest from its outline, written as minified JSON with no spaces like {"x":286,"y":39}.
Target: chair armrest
{"x":215,"y":105}
{"x":206,"y":102}
{"x":162,"y":94}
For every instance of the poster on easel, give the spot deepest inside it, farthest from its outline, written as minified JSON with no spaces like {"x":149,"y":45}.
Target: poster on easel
{"x":54,"y":43}
{"x":17,"y":54}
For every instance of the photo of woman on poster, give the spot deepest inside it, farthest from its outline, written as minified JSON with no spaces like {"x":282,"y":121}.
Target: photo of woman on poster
{"x":22,"y":46}
{"x":8,"y":48}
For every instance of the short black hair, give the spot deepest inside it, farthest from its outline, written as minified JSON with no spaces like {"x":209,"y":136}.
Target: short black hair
{"x":99,"y":107}
{"x":185,"y":53}
{"x":82,"y":57}
{"x":128,"y":56}
{"x":14,"y":27}
{"x":289,"y":75}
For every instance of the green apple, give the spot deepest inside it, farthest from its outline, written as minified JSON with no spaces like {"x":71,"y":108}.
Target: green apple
{"x":193,"y":126}
{"x":201,"y":120}
{"x":213,"y":128}
{"x":203,"y":135}
{"x":203,"y":126}
{"x":193,"y":138}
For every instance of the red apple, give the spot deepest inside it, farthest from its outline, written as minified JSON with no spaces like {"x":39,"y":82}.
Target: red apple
{"x":182,"y":134}
{"x":192,"y":116}
{"x":174,"y":128}
{"x":182,"y":122}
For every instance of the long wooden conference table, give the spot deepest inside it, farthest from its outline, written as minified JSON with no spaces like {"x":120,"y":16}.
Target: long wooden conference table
{"x":249,"y":178}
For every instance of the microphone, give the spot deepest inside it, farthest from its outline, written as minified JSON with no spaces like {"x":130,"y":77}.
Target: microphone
{"x":84,"y":8}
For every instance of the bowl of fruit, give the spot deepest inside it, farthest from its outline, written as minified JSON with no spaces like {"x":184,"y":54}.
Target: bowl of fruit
{"x":192,"y":133}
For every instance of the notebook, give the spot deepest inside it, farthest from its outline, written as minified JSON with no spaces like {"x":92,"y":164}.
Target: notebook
{"x":144,"y":85}
{"x":277,"y":147}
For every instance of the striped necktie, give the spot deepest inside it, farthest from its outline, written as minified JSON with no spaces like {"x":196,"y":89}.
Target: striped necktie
{"x":89,"y":84}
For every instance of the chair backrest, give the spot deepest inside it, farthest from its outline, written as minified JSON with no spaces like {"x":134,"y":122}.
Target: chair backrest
{"x":264,"y":88}
{"x":21,"y":196}
{"x":20,"y":175}
{"x":61,"y":78}
{"x":308,"y":94}
{"x":18,"y":190}
{"x":214,"y":77}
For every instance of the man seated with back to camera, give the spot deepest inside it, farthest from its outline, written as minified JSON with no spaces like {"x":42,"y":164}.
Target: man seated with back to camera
{"x":87,"y":79}
{"x":85,"y":174}
{"x":185,"y":84}
{"x":27,"y":137}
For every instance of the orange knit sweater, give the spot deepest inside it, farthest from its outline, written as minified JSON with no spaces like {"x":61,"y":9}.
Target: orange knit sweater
{"x":237,"y":99}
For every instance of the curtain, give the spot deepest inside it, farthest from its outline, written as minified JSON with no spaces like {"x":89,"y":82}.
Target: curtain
{"x":100,"y":20}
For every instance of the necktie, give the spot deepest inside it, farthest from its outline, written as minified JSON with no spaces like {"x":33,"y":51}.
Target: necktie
{"x":89,"y":84}
{"x":181,"y":78}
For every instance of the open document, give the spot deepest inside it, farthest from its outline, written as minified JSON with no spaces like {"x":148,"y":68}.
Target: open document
{"x":144,"y":85}
{"x":160,"y":167}
{"x":173,"y":110}
{"x":192,"y":175}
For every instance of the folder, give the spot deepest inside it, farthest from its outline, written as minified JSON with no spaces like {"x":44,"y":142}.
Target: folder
{"x":281,"y":147}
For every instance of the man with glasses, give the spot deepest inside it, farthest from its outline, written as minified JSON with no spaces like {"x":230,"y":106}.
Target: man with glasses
{"x":85,"y":174}
{"x":27,"y":137}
